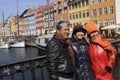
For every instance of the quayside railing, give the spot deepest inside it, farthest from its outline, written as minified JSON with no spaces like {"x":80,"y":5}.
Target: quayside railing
{"x":35,"y":69}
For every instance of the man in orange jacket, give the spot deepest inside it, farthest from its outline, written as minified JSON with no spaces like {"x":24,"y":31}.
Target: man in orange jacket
{"x":102,"y":54}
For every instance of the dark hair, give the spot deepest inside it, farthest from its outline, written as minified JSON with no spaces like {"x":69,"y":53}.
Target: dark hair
{"x":61,"y":24}
{"x":78,"y":28}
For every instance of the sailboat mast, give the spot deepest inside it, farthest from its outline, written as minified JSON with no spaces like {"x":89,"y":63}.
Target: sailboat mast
{"x":3,"y":24}
{"x":17,"y":20}
{"x":48,"y":16}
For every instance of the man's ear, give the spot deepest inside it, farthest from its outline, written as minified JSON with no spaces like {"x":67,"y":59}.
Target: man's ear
{"x":58,"y":31}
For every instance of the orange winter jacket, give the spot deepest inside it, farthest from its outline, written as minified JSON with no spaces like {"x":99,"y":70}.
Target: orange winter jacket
{"x":102,"y":55}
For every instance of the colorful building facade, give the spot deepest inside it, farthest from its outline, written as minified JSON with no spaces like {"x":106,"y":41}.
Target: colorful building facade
{"x":40,"y":21}
{"x":78,"y":12}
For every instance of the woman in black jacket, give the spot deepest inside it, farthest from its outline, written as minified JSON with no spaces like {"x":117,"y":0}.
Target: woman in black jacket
{"x":80,"y":45}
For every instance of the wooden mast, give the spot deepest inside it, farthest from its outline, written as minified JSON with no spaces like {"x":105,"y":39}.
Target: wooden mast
{"x":17,"y":20}
{"x":3,"y":24}
{"x":48,"y":16}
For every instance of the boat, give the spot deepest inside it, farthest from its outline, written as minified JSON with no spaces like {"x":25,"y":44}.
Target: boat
{"x":5,"y":46}
{"x":43,"y":40}
{"x":18,"y":44}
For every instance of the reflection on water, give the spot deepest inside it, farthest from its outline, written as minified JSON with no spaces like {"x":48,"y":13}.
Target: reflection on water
{"x":18,"y":54}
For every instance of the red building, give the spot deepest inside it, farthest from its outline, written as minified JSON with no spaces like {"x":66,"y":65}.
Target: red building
{"x":40,"y":20}
{"x":60,"y":10}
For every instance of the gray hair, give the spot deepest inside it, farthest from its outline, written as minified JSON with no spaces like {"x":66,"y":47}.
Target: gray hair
{"x":61,"y":24}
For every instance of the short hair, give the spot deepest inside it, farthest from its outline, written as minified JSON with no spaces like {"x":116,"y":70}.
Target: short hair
{"x":60,"y":24}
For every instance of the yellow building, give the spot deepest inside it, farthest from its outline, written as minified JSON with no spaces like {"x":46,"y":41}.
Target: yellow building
{"x":78,"y":12}
{"x":12,"y":26}
{"x":103,"y":12}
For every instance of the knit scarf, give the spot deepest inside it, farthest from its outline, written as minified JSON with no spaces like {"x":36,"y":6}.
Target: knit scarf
{"x":106,"y":45}
{"x":68,"y":42}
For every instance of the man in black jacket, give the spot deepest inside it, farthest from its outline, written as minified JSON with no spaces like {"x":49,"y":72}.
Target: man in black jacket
{"x":60,"y":54}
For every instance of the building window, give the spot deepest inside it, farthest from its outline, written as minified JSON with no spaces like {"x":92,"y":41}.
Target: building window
{"x":80,"y":23}
{"x":75,"y":5}
{"x":83,"y":12}
{"x":70,"y":16}
{"x":52,"y":23}
{"x":99,"y":1}
{"x":111,"y":9}
{"x":51,"y":15}
{"x":111,"y":21}
{"x":95,"y":21}
{"x":55,"y":13}
{"x":73,"y":16}
{"x":80,"y":14}
{"x":94,"y":12}
{"x":99,"y":11}
{"x":78,"y":4}
{"x":105,"y":10}
{"x":73,"y":24}
{"x":106,"y":22}
{"x":87,"y":13}
{"x":60,"y":11}
{"x":69,"y":7}
{"x":87,"y":2}
{"x":93,"y":2}
{"x":83,"y":4}
{"x":105,"y":0}
{"x":100,"y":23}
{"x":76,"y":15}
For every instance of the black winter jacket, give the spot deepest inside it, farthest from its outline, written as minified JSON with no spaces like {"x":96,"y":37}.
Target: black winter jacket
{"x":83,"y":64}
{"x":60,"y":62}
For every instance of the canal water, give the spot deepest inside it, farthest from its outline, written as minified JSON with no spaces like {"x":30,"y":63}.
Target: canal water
{"x":13,"y":55}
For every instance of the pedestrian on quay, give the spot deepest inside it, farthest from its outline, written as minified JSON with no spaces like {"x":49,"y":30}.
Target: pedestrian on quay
{"x":80,"y":45}
{"x":102,"y":54}
{"x":60,"y":54}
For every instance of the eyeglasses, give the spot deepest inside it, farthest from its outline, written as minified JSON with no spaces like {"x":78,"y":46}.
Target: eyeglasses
{"x":94,"y":35}
{"x":82,"y":35}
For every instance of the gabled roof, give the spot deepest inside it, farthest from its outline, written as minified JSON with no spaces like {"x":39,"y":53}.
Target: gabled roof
{"x":21,"y":16}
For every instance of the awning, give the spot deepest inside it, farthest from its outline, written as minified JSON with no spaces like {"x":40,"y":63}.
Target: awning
{"x":111,"y":27}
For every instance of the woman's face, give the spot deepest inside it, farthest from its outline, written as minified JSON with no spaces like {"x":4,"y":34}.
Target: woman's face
{"x":80,"y":35}
{"x":94,"y":35}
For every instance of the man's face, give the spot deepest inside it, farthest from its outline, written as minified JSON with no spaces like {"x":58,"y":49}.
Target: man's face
{"x":64,"y":31}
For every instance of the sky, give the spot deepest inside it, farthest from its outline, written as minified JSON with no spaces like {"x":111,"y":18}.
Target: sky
{"x":9,"y":7}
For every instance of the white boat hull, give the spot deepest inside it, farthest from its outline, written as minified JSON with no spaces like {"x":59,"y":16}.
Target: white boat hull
{"x":18,"y":44}
{"x":5,"y":46}
{"x":42,"y":40}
